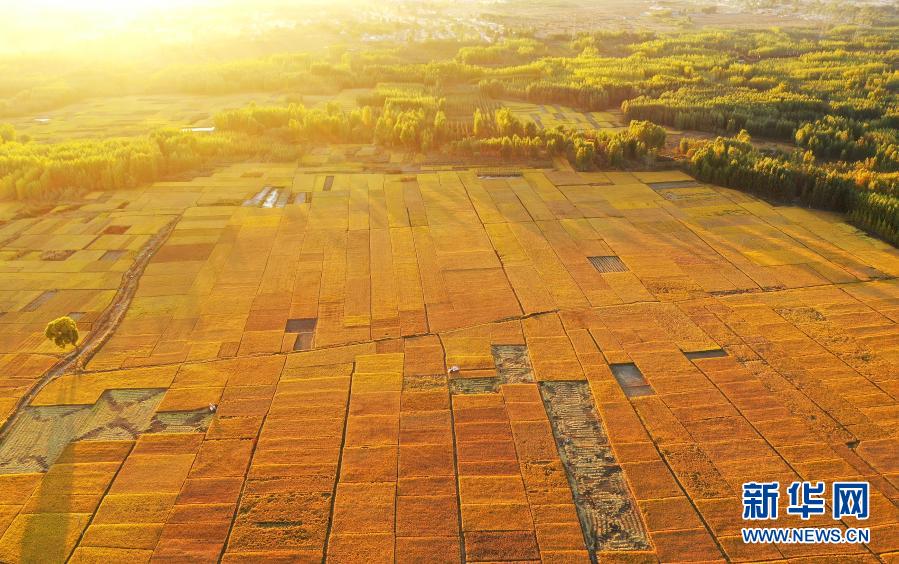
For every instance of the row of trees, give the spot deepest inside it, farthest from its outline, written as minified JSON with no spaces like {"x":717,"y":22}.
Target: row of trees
{"x":39,"y":98}
{"x":502,"y":134}
{"x":736,"y":163}
{"x":839,"y":138}
{"x":297,"y":124}
{"x":774,"y":113}
{"x":59,"y":170}
{"x":418,"y":129}
{"x":508,"y":52}
{"x":877,"y":213}
{"x":413,"y":123}
{"x":501,"y":123}
{"x":588,"y":97}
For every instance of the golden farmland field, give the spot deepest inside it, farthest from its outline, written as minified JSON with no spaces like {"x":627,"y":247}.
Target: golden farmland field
{"x":448,"y":282}
{"x":343,"y":447}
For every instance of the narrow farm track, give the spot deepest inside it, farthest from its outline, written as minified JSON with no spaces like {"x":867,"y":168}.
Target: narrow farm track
{"x":102,"y":329}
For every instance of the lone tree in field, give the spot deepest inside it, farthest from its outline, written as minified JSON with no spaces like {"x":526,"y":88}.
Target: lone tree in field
{"x":62,"y":331}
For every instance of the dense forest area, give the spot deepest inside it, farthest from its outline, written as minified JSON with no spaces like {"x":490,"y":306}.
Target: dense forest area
{"x":708,"y":80}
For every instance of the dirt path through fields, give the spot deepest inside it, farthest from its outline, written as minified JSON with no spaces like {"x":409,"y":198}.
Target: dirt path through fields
{"x":102,"y":329}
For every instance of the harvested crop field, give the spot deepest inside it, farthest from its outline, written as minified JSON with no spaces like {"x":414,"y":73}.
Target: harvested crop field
{"x":439,"y":366}
{"x":549,"y":116}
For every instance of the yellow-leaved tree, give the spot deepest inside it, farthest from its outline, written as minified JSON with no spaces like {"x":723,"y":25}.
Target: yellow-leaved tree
{"x":63,"y":331}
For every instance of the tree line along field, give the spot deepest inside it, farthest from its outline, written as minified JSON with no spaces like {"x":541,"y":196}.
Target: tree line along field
{"x":477,"y":296}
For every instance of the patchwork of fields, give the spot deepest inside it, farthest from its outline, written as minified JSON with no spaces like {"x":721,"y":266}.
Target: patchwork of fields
{"x":549,"y":116}
{"x":443,"y":365}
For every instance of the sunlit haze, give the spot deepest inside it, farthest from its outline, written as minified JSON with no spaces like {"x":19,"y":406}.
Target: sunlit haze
{"x":42,"y":26}
{"x":449,"y":281}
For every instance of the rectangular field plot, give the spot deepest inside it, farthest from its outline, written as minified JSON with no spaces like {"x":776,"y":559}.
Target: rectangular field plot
{"x":608,"y":264}
{"x":715,"y":353}
{"x":549,"y":116}
{"x":608,"y":515}
{"x":631,"y":380}
{"x":305,"y":332}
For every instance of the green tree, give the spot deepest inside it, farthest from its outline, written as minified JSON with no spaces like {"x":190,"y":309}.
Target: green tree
{"x":440,"y":126}
{"x":62,"y":331}
{"x":480,"y":124}
{"x":585,"y":155}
